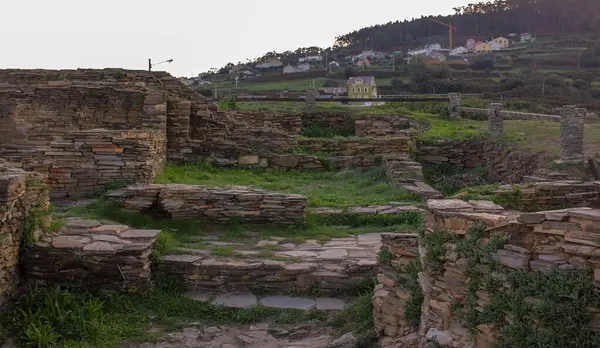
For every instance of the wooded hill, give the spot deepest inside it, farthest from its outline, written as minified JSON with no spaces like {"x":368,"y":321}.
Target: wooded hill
{"x":497,"y":18}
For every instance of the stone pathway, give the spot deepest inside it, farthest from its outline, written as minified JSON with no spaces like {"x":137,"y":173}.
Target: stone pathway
{"x":262,"y":335}
{"x":334,"y":266}
{"x":390,"y":208}
{"x":249,"y":300}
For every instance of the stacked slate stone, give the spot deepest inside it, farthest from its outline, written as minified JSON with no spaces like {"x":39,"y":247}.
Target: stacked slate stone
{"x":389,"y":301}
{"x":214,"y":275}
{"x":536,"y":242}
{"x":216,"y":205}
{"x":88,"y":253}
{"x":353,"y":147}
{"x":378,"y":126}
{"x":290,"y":123}
{"x":406,"y":173}
{"x":82,"y":162}
{"x":20,"y":193}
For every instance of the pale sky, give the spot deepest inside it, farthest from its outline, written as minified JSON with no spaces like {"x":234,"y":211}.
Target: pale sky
{"x":197,"y":34}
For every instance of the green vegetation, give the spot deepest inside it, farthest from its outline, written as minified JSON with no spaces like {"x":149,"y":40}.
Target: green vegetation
{"x":59,"y":317}
{"x":410,"y":282}
{"x":450,"y":179}
{"x":323,"y":189}
{"x":544,"y":309}
{"x":358,"y":318}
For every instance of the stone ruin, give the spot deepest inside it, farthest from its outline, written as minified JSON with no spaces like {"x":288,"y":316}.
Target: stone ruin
{"x":72,"y":133}
{"x":557,"y":240}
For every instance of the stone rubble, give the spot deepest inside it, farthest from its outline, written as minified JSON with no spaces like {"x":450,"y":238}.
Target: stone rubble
{"x":88,"y":253}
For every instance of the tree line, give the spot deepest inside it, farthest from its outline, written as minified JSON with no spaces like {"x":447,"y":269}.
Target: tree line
{"x":487,"y":19}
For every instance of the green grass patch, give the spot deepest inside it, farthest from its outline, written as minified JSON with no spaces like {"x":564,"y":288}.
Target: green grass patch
{"x":59,"y":317}
{"x":324,"y":189}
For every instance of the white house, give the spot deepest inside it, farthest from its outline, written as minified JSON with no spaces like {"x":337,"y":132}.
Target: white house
{"x":495,"y":45}
{"x":526,"y":37}
{"x":296,"y":69}
{"x":460,"y":50}
{"x":425,"y":50}
{"x":310,"y":59}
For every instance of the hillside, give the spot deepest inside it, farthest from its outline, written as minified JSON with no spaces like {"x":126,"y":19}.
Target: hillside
{"x":559,"y":65}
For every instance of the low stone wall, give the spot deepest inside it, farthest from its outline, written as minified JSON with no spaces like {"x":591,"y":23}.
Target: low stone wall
{"x":87,"y":253}
{"x":560,"y":241}
{"x":22,"y":194}
{"x":500,"y":162}
{"x":399,"y":252}
{"x":215,"y":205}
{"x":550,"y":195}
{"x":377,"y":126}
{"x":571,"y":121}
{"x":353,"y":147}
{"x":406,"y":173}
{"x":268,"y":276}
{"x":511,"y":115}
{"x":80,"y":163}
{"x":289,"y":123}
{"x":476,"y":255}
{"x":341,"y":122}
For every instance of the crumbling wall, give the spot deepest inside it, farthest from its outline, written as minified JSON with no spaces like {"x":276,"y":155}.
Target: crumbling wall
{"x":340,"y":122}
{"x":216,"y":205}
{"x":87,"y":253}
{"x":23,"y":212}
{"x":492,"y":277}
{"x":501,"y":163}
{"x":79,"y":163}
{"x":289,"y":123}
{"x":374,"y":126}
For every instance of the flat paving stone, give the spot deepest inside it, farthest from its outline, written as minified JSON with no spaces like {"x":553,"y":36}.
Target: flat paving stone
{"x":296,"y":253}
{"x":236,"y":300}
{"x":288,"y":302}
{"x":330,"y":304}
{"x":333,"y":254}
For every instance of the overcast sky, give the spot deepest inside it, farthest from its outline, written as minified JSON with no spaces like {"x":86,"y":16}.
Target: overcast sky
{"x":197,"y":34}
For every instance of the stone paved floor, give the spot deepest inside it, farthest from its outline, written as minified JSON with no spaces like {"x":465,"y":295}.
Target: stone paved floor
{"x":263,"y":335}
{"x":248,"y":300}
{"x":359,"y":248}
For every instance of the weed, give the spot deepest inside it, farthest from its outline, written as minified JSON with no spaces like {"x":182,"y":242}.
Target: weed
{"x":222,"y":251}
{"x":384,"y":256}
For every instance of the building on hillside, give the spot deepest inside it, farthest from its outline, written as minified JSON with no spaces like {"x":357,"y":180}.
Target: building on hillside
{"x":273,"y":63}
{"x":482,"y":47}
{"x":458,"y":51}
{"x":425,"y":50}
{"x":502,"y":41}
{"x":470,"y":44}
{"x":437,"y":56}
{"x":362,"y":87}
{"x":310,"y":59}
{"x":526,"y":38}
{"x":289,"y":69}
{"x":495,"y":46}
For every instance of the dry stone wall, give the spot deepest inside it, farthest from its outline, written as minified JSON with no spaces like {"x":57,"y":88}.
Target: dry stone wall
{"x":398,"y":253}
{"x":549,"y":195}
{"x":271,"y":276}
{"x":88,"y":253}
{"x":23,"y":196}
{"x":290,"y":123}
{"x":353,"y":147}
{"x":474,"y":256}
{"x":406,"y":173}
{"x":79,"y":163}
{"x":341,"y":122}
{"x":215,"y":205}
{"x":500,"y":162}
{"x":377,"y":126}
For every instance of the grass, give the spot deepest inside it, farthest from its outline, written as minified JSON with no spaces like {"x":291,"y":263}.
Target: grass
{"x":59,"y":317}
{"x":186,"y":234}
{"x":323,"y":189}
